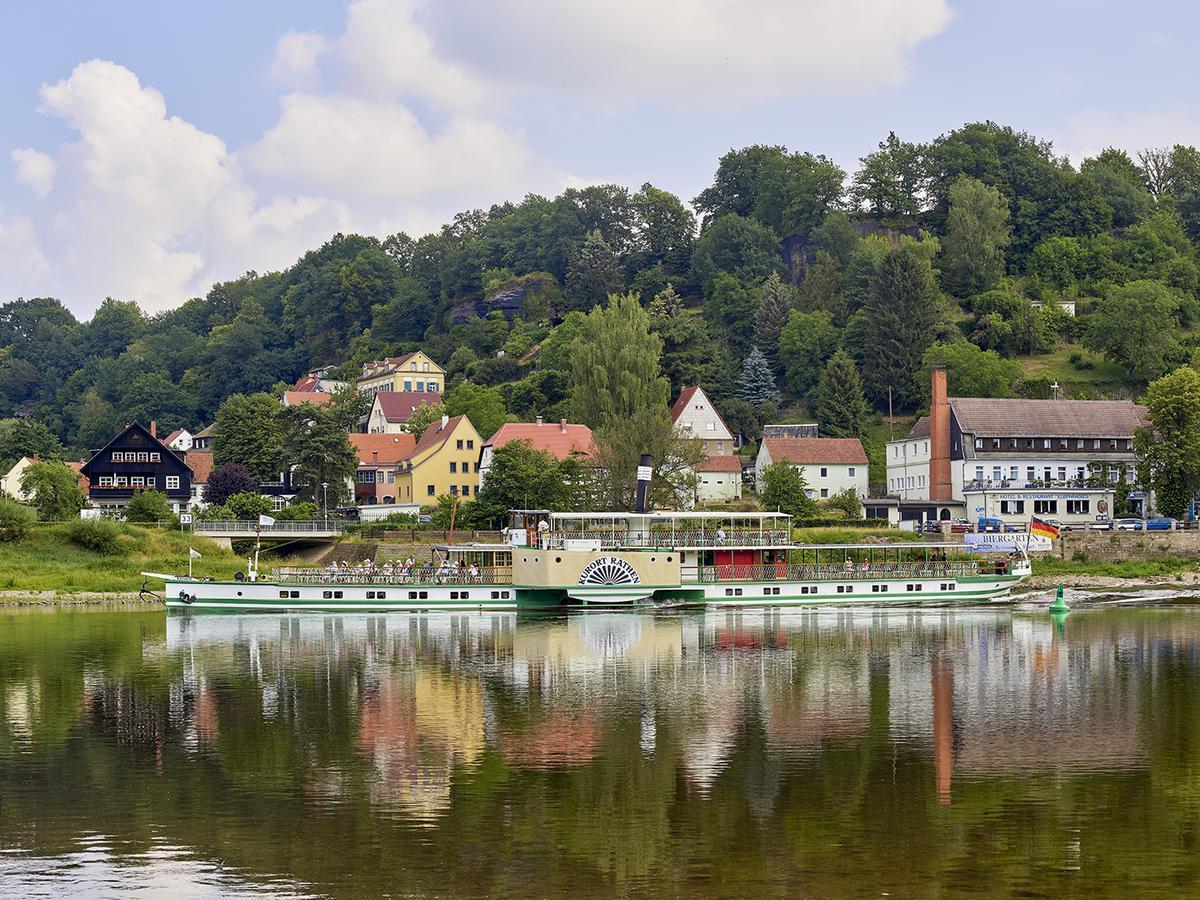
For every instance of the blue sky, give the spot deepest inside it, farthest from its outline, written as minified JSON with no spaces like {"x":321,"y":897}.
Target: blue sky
{"x":154,"y":148}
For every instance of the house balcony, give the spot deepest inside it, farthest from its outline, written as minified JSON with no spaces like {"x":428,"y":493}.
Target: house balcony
{"x":1075,"y":484}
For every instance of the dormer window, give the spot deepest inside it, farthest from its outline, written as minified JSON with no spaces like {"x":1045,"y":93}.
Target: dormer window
{"x":1062,"y":444}
{"x":995,"y":443}
{"x":1045,"y":443}
{"x":978,"y":443}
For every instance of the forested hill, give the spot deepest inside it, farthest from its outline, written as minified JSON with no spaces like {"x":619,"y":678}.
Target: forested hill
{"x":966,"y":249}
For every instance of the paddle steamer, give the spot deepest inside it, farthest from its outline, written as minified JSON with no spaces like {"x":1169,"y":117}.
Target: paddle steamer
{"x":632,"y":560}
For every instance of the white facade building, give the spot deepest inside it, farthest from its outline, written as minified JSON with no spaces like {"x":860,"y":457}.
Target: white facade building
{"x":695,"y":417}
{"x":829,"y":465}
{"x":10,"y":484}
{"x":719,"y":479}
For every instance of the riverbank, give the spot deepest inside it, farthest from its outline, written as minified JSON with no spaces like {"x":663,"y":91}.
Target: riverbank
{"x":52,"y":562}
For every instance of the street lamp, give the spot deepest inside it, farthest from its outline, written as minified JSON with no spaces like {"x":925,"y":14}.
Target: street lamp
{"x":325,"y":502}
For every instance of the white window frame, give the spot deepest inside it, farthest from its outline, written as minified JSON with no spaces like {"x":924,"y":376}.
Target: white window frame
{"x":172,"y":482}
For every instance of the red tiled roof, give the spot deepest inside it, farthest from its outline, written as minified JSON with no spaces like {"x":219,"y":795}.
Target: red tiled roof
{"x":201,"y":464}
{"x":805,"y":451}
{"x":398,"y":406}
{"x":685,"y":397}
{"x":81,"y":479}
{"x":307,"y":383}
{"x":559,"y":439}
{"x":436,"y":434}
{"x":295,"y":398}
{"x":721,"y":464}
{"x":174,"y":434}
{"x":385,"y":449}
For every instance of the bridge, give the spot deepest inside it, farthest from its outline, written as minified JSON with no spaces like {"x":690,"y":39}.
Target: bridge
{"x":300,"y":531}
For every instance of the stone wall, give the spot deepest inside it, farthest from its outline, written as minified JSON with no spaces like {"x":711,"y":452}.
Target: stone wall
{"x":1119,"y":545}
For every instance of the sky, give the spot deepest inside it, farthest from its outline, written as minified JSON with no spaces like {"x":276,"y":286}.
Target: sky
{"x":153,"y":148}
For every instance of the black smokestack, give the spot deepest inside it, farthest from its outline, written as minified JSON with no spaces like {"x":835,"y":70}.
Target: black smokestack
{"x":645,"y":470}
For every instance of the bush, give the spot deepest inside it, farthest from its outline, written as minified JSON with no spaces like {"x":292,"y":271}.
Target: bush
{"x":149,"y":507}
{"x":248,"y":506}
{"x":302,"y":511}
{"x":15,"y":520}
{"x":97,"y":535}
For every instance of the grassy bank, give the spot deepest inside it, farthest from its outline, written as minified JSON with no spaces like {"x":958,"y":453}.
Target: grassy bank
{"x":853,"y":535}
{"x":1159,"y":567}
{"x":48,"y":560}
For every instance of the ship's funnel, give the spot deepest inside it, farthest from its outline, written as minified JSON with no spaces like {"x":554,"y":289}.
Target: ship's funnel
{"x":644,"y":473}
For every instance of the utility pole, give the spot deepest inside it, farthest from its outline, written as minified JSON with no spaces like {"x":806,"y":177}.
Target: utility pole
{"x":325,"y":502}
{"x":891,"y":421}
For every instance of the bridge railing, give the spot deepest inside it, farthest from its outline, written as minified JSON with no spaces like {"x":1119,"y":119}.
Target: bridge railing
{"x":288,"y":526}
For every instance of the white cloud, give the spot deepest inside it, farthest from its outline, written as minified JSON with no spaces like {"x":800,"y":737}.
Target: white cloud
{"x":21,"y":260}
{"x":378,"y":148}
{"x":687,"y":51}
{"x":35,"y":170}
{"x":385,"y":52}
{"x":148,"y":206}
{"x":1088,"y":133}
{"x":296,"y":57}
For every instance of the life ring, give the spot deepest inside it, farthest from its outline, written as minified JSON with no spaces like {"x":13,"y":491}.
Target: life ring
{"x":186,"y":597}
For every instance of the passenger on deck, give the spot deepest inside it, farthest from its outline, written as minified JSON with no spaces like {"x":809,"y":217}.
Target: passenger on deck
{"x":720,"y":535}
{"x":474,"y":572}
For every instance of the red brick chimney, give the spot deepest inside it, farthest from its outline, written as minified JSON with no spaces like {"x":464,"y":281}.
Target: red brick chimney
{"x":153,"y":429}
{"x":941,"y":487}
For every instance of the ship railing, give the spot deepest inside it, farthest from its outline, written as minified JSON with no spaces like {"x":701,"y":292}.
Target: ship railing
{"x":855,"y":571}
{"x":663,"y":540}
{"x":397,"y":575}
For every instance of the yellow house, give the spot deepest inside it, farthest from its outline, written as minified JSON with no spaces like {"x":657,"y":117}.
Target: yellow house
{"x":445,"y":461}
{"x":414,"y":372}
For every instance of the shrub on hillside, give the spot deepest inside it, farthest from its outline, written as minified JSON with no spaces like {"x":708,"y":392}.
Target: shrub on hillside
{"x":149,"y":507}
{"x":97,"y":535}
{"x":15,"y":520}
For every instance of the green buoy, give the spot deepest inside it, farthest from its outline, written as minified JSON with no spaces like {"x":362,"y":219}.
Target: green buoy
{"x":1060,"y":604}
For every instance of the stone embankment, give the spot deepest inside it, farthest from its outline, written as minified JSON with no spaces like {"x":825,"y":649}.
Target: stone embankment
{"x":1115,"y":546}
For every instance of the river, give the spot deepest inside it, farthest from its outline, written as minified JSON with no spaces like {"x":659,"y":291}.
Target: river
{"x":854,"y":753}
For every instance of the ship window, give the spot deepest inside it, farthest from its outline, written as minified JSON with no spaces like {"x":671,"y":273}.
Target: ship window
{"x":668,"y":559}
{"x":737,"y":592}
{"x":464,"y":595}
{"x":728,"y":592}
{"x":558,"y":559}
{"x":766,"y":590}
{"x":295,"y":595}
{"x":424,"y":595}
{"x":454,"y":595}
{"x":841,"y":589}
{"x":495,"y":595}
{"x":337,"y":595}
{"x":327,"y":595}
{"x":239,"y":593}
{"x":283,"y":595}
{"x":412,"y":595}
{"x":370,"y":595}
{"x":381,"y":595}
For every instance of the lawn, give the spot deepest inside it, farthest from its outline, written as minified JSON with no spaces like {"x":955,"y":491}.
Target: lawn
{"x":47,"y":560}
{"x":1092,"y":377}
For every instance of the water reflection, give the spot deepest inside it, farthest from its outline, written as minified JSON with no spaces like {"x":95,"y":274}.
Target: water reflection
{"x":828,"y":752}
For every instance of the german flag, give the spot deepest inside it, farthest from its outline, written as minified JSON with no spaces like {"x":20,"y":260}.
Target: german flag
{"x":1042,"y":528}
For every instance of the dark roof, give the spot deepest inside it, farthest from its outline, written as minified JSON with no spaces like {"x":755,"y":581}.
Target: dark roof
{"x":984,"y":417}
{"x":920,"y":428}
{"x":168,"y":454}
{"x":398,"y":406}
{"x":804,"y":451}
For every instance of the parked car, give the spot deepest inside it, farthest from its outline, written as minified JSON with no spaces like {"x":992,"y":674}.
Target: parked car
{"x":1105,"y":525}
{"x":1162,"y":523}
{"x":1129,"y":524}
{"x":961,"y":526}
{"x":990,"y":525}
{"x":424,"y":520}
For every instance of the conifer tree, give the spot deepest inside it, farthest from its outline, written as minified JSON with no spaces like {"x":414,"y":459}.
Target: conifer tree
{"x":838,"y":403}
{"x":756,"y":383}
{"x":775,"y":301}
{"x":900,"y":320}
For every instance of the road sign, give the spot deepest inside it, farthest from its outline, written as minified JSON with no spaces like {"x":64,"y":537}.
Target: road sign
{"x":185,"y":519}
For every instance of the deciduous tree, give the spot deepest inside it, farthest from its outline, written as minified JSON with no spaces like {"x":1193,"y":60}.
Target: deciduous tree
{"x":785,"y":489}
{"x":977,"y":234}
{"x":1169,"y":445}
{"x":227,"y":480}
{"x":53,"y":490}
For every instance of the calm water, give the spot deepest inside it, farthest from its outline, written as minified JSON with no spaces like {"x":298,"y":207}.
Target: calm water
{"x":855,"y":754}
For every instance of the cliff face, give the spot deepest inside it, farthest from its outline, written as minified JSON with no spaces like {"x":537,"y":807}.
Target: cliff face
{"x":797,"y":252}
{"x":528,"y":297}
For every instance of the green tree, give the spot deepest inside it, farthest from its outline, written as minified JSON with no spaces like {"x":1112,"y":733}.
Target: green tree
{"x":899,"y":326}
{"x":972,"y":372}
{"x":621,"y":396}
{"x":1169,"y":445}
{"x":665,"y":230}
{"x":422,"y":417}
{"x":977,"y":234}
{"x":319,"y":451}
{"x":838,"y":403}
{"x":484,"y":406}
{"x":1121,"y":184}
{"x":113,"y":327}
{"x":736,"y":246}
{"x":1134,"y":325}
{"x":558,"y":348}
{"x":15,"y":520}
{"x":805,"y":343}
{"x":756,"y":383}
{"x":53,"y":490}
{"x":785,"y":489}
{"x":848,"y":502}
{"x":594,"y":273}
{"x":775,"y":301}
{"x":523,"y":478}
{"x":26,"y":437}
{"x":247,"y":506}
{"x":248,"y":431}
{"x":148,"y":507}
{"x":890,"y":182}
{"x":730,"y":307}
